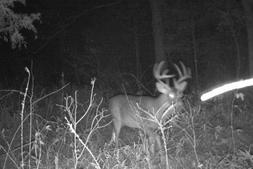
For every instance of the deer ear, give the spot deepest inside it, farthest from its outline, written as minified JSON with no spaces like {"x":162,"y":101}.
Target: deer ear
{"x":161,"y":88}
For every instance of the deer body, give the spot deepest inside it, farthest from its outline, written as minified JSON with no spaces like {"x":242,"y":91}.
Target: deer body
{"x":125,"y":109}
{"x":136,"y":111}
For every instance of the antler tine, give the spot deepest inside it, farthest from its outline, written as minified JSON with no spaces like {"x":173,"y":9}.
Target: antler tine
{"x":180,"y":74}
{"x":186,"y":70}
{"x":157,"y":71}
{"x":184,"y":74}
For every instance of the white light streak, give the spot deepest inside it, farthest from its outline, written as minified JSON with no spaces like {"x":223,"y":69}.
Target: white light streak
{"x":227,"y":87}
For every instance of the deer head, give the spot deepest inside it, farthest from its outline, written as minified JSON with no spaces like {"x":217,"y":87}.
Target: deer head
{"x":138,"y":111}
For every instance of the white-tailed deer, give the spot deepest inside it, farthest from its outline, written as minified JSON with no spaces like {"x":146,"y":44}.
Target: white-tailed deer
{"x":136,"y":111}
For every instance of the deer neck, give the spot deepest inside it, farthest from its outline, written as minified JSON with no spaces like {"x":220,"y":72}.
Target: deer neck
{"x":161,"y":100}
{"x":162,"y":103}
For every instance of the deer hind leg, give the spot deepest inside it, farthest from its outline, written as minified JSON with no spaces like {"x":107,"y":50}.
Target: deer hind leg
{"x":116,"y":131}
{"x":158,"y":142}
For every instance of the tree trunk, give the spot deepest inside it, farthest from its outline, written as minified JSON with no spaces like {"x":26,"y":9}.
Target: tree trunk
{"x":248,"y":6}
{"x":158,"y":32}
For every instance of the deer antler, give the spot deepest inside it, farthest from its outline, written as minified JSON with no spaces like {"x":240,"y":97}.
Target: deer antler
{"x":162,"y":75}
{"x":180,"y":84}
{"x":157,"y":72}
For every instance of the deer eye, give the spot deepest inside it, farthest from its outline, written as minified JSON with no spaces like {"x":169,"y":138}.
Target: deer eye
{"x":172,"y":95}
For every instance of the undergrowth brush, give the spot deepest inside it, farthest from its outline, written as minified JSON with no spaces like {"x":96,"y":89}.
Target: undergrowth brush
{"x":207,"y":136}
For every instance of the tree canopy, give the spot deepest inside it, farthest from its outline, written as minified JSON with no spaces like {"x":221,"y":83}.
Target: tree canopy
{"x":13,"y":23}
